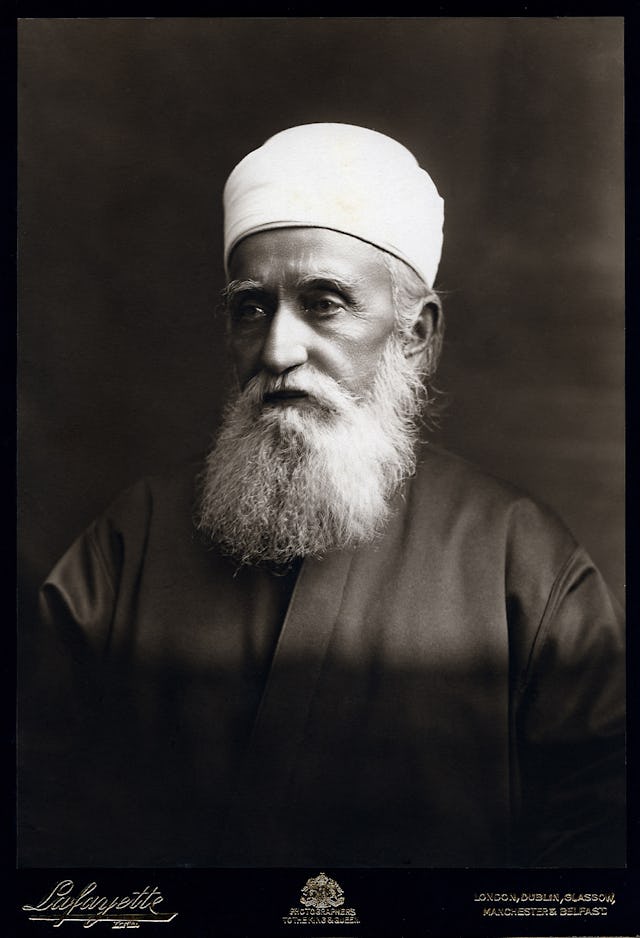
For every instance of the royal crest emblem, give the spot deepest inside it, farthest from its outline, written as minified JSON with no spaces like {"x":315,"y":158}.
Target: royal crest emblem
{"x":322,"y":902}
{"x":322,"y":893}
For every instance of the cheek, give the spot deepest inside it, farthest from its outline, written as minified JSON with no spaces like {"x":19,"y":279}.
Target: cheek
{"x":245,"y":355}
{"x":359,"y":364}
{"x":373,"y":343}
{"x":360,"y":346}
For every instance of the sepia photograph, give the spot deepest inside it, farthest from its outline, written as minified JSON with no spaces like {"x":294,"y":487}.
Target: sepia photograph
{"x":321,"y":472}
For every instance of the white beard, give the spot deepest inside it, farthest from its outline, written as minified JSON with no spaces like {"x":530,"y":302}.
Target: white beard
{"x":284,"y":482}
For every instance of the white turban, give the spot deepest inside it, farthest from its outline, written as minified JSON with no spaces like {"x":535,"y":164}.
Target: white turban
{"x":342,"y":177}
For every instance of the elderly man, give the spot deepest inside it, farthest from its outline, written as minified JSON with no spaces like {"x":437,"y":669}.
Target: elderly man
{"x":331,"y":643}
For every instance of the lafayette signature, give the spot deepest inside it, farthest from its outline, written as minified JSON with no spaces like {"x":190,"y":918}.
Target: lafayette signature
{"x":88,"y":906}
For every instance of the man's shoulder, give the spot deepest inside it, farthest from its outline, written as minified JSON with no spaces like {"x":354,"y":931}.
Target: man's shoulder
{"x":172,"y":491}
{"x":456,"y":488}
{"x":443,"y":469}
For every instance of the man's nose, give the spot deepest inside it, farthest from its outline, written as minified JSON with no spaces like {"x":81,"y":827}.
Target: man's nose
{"x":285,"y":345}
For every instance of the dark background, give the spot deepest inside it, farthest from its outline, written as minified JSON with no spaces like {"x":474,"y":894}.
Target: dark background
{"x":127,"y":131}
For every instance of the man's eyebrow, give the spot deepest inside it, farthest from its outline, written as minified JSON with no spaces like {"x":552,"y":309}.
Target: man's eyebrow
{"x":318,"y":280}
{"x":326,"y":279}
{"x":237,"y":287}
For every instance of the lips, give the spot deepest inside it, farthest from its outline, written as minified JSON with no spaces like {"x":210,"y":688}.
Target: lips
{"x":284,"y":397}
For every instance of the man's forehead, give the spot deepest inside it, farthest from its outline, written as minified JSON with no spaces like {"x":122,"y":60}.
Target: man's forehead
{"x":300,"y":253}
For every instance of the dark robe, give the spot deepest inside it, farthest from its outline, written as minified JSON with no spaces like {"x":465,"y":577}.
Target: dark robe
{"x":451,"y":695}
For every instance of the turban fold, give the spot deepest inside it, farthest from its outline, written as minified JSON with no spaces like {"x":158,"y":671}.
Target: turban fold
{"x":345,"y":178}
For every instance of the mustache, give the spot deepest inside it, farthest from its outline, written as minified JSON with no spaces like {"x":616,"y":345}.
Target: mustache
{"x":319,"y":389}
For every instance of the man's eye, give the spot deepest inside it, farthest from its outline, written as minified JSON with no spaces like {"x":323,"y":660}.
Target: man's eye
{"x":323,"y":306}
{"x":249,"y":312}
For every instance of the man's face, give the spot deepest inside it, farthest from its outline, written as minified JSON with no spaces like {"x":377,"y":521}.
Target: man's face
{"x":322,"y":433}
{"x":309,"y":296}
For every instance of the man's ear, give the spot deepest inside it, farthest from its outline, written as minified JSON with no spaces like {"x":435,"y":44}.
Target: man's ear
{"x":426,"y":323}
